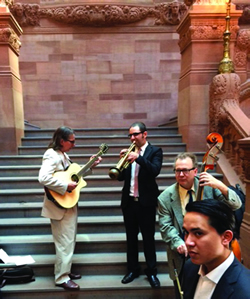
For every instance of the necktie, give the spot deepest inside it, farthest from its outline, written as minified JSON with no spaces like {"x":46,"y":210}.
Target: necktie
{"x":190,"y":196}
{"x":137,"y":166}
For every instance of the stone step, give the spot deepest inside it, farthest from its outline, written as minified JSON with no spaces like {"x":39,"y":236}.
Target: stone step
{"x":100,"y":253}
{"x":109,"y":140}
{"x":33,"y":170}
{"x":86,"y":225}
{"x":37,"y":195}
{"x":41,"y":226}
{"x":91,"y":180}
{"x":95,"y":263}
{"x":85,"y":208}
{"x":81,"y":159}
{"x":102,"y":131}
{"x":94,"y":148}
{"x":86,"y":243}
{"x":92,"y":286}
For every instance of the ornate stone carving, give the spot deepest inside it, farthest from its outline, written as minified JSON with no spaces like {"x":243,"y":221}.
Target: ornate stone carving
{"x":224,"y":89}
{"x":242,"y":48}
{"x":8,"y":35}
{"x":170,"y":13}
{"x":99,"y":15}
{"x":26,"y":14}
{"x":205,"y":32}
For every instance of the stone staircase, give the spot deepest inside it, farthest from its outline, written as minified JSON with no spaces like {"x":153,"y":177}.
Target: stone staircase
{"x":100,"y":254}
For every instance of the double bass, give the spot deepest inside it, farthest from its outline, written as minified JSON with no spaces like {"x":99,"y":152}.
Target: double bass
{"x":215,"y":142}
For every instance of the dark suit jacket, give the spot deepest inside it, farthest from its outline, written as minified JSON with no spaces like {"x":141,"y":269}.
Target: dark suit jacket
{"x":150,"y":166}
{"x":234,"y":283}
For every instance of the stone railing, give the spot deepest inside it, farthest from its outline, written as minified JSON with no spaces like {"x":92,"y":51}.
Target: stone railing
{"x":227,"y":118}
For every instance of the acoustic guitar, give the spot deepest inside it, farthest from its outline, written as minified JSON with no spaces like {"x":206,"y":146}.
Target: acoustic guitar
{"x":215,"y":142}
{"x":73,"y":173}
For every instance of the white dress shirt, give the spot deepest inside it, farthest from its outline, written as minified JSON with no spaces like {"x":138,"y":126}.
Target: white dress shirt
{"x":142,"y":150}
{"x":207,"y":282}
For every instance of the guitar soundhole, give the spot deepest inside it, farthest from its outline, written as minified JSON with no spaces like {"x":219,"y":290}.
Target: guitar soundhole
{"x":75,"y":178}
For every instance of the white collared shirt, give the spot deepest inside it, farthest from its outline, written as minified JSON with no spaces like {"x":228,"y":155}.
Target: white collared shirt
{"x":207,"y":283}
{"x":184,"y":197}
{"x":143,"y":148}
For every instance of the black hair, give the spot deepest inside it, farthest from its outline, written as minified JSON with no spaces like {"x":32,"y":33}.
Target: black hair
{"x":59,"y":134}
{"x":221,"y":216}
{"x":141,"y":126}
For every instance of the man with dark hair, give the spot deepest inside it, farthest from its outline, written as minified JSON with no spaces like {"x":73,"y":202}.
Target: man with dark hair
{"x":212,"y":271}
{"x":139,"y":201}
{"x":63,"y":221}
{"x":172,"y":202}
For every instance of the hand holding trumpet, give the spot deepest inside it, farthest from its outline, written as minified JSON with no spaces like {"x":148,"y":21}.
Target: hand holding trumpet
{"x":124,"y":162}
{"x":131,"y":157}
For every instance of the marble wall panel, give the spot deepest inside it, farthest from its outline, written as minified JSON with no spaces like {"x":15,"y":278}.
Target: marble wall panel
{"x":106,"y":79}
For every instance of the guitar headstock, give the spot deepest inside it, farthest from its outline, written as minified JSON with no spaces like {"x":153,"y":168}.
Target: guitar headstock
{"x":104,"y":148}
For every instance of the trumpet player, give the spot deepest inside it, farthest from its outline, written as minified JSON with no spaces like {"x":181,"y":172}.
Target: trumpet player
{"x":139,"y":201}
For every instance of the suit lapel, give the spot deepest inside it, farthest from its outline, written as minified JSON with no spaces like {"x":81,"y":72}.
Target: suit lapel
{"x":176,"y":206}
{"x":147,"y":151}
{"x":224,"y":287}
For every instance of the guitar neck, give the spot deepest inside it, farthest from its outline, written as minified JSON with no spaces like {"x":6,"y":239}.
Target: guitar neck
{"x":89,"y":164}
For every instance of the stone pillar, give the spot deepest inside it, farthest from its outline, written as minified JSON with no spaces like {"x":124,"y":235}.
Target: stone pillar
{"x":201,"y":46}
{"x":244,"y":145}
{"x":11,"y":98}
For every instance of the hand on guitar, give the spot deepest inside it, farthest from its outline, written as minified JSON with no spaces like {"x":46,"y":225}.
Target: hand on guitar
{"x":98,"y":160}
{"x":206,"y":179}
{"x":71,"y":186}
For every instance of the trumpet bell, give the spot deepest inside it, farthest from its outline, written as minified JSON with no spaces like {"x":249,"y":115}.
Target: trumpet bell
{"x":114,"y":173}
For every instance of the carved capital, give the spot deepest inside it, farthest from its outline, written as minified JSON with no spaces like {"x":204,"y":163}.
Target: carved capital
{"x":8,"y":36}
{"x":224,"y":90}
{"x":199,"y":31}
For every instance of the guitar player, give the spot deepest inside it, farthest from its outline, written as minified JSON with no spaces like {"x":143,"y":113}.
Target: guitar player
{"x":63,"y":220}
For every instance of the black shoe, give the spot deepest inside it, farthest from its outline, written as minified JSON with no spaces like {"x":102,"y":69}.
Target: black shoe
{"x":129,"y":277}
{"x":154,"y":281}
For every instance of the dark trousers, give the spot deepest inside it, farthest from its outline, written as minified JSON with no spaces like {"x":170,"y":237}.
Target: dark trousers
{"x":138,"y":218}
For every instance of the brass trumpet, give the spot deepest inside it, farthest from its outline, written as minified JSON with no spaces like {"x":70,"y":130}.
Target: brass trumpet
{"x":114,"y":172}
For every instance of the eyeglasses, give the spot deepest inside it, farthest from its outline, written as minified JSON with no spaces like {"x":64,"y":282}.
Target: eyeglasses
{"x":135,"y":134}
{"x":184,"y":171}
{"x":71,"y":141}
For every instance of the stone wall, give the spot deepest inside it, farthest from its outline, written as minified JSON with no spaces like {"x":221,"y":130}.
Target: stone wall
{"x":99,"y":76}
